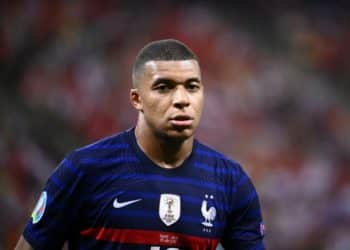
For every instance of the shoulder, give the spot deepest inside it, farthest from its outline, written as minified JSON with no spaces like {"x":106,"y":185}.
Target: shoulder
{"x":112,"y":142}
{"x":95,"y":153}
{"x":215,"y":158}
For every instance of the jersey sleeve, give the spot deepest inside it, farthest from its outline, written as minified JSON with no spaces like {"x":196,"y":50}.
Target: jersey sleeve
{"x":245,"y":229}
{"x":55,"y":215}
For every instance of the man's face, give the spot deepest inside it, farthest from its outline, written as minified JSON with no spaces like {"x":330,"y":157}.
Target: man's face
{"x":170,"y":97}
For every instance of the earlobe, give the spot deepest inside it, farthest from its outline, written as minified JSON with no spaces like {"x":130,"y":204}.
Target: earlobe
{"x":135,"y":99}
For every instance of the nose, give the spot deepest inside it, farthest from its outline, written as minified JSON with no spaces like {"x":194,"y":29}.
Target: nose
{"x":180,"y":97}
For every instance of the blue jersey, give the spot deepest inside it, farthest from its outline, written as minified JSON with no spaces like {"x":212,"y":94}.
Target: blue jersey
{"x":110,"y":195}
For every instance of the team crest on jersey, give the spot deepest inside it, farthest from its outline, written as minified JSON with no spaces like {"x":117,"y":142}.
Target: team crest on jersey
{"x":169,"y":208}
{"x":39,"y":209}
{"x":208,"y":212}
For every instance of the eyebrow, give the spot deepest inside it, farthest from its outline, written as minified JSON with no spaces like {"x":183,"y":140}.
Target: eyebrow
{"x":171,"y":81}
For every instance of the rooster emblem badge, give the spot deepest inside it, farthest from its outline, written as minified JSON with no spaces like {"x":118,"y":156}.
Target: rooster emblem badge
{"x":209,"y":214}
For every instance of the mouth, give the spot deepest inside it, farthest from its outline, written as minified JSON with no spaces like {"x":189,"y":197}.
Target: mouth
{"x":181,"y":121}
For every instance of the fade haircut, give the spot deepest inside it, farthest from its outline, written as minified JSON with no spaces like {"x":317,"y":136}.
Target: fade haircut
{"x":161,"y":50}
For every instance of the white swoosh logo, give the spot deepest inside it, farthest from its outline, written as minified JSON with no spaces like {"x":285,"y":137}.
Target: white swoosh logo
{"x":118,"y":204}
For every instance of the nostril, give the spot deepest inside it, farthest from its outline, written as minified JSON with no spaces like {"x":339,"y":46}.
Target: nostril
{"x":181,"y":104}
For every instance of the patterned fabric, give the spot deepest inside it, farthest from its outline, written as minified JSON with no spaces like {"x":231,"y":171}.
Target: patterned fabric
{"x":110,"y":195}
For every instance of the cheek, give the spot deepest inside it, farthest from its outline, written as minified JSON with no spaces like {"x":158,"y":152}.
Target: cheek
{"x":160,"y":102}
{"x":148,"y":101}
{"x":154,"y":106}
{"x":199,"y":103}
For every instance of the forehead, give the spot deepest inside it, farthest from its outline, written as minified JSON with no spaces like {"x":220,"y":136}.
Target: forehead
{"x":178,"y":70}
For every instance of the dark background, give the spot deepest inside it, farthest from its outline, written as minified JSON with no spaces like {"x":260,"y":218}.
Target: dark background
{"x":276,"y":75}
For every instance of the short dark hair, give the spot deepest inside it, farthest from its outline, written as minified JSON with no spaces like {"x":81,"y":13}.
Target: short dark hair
{"x":162,"y":50}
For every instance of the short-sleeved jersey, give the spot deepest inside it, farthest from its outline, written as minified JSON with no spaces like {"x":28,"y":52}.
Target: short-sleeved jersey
{"x":110,"y":195}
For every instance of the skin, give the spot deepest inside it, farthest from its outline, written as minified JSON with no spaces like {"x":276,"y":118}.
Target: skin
{"x":169,"y":99}
{"x":23,"y":244}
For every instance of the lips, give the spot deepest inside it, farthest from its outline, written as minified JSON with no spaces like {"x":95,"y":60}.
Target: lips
{"x":181,"y":120}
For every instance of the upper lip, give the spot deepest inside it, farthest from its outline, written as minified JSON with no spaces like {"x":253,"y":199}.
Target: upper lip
{"x":181,"y":117}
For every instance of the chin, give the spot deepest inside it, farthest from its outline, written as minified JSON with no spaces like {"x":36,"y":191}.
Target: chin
{"x":180,"y":134}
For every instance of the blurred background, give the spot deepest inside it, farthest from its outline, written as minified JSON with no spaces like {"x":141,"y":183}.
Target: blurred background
{"x":277,"y":86}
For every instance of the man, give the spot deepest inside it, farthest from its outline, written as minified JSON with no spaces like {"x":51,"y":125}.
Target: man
{"x":153,"y":186}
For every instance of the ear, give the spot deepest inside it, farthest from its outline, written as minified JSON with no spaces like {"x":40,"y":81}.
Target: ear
{"x":135,"y":99}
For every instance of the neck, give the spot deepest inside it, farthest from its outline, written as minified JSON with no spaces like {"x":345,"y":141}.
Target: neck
{"x":165,"y":152}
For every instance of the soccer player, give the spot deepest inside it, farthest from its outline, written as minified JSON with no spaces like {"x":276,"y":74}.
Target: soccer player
{"x":152,"y":186}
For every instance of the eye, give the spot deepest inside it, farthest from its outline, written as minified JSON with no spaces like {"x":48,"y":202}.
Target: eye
{"x":193,"y":86}
{"x":162,"y":88}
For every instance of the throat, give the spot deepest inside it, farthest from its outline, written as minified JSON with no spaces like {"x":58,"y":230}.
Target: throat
{"x":163,"y":152}
{"x":171,"y":161}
